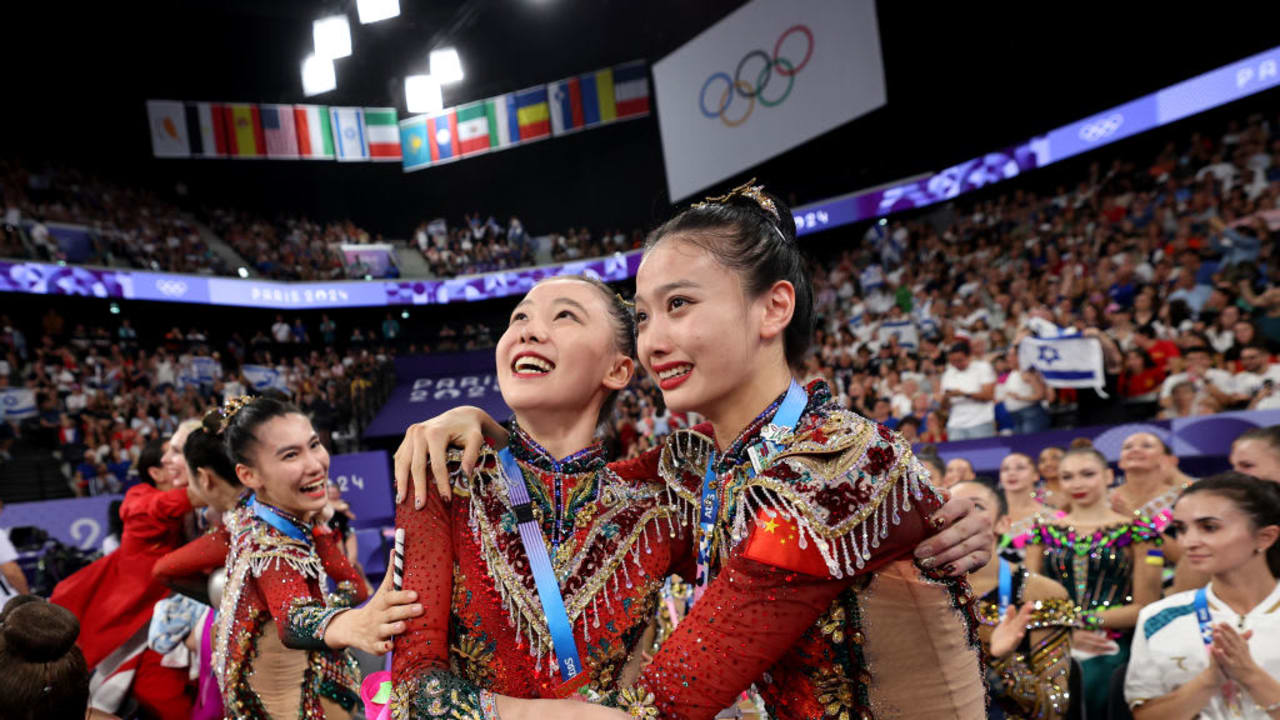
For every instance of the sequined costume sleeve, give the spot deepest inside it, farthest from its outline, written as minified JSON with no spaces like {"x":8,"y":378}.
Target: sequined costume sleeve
{"x":798,"y":538}
{"x":423,"y":685}
{"x":301,"y":617}
{"x":190,"y":565}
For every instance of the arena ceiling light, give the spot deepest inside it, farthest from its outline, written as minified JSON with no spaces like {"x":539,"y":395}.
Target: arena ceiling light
{"x":371,"y":11}
{"x":317,"y":76}
{"x":422,"y":94}
{"x":446,"y":66}
{"x":332,"y":36}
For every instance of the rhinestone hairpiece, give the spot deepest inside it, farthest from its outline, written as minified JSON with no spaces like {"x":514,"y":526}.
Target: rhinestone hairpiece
{"x":229,"y":410}
{"x":754,"y":193}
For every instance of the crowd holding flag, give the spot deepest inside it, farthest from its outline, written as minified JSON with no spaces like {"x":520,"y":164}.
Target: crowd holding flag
{"x":360,"y":134}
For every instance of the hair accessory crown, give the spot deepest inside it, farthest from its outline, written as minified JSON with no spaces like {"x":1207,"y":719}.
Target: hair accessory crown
{"x":754,"y":193}
{"x":229,"y":410}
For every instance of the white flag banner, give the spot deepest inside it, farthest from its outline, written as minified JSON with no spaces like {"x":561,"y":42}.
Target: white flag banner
{"x":1073,"y":361}
{"x":771,"y":75}
{"x":904,"y":331}
{"x":168,"y":120}
{"x":262,"y":377}
{"x":350,"y":138}
{"x":17,"y":403}
{"x":205,"y":370}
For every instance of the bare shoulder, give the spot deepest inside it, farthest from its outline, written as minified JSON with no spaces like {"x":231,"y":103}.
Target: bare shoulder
{"x":1040,"y":587}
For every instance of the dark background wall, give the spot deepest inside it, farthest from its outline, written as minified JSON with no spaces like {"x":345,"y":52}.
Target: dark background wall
{"x":962,"y":78}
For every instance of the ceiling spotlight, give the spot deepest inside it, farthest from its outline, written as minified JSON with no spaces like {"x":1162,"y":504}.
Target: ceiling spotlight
{"x":317,"y":76}
{"x":422,"y":94}
{"x":371,"y":11}
{"x":332,"y":36}
{"x":446,"y":66}
{"x":242,"y":271}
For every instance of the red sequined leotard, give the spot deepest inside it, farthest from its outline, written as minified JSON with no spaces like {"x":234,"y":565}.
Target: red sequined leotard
{"x":816,"y":597}
{"x":277,"y":580}
{"x":613,"y":534}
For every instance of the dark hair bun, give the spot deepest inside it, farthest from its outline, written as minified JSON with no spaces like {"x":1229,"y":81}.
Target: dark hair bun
{"x":212,"y":421}
{"x":39,"y":632}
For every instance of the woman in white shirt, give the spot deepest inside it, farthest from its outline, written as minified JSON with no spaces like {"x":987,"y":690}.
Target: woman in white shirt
{"x":1212,"y":653}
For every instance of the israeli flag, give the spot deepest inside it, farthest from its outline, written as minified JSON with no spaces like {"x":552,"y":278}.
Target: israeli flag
{"x":262,"y":377}
{"x":872,"y":278}
{"x":1072,"y":361}
{"x":17,"y":403}
{"x":903,"y":330}
{"x":205,"y":370}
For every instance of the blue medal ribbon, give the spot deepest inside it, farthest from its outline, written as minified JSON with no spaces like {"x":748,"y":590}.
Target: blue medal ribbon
{"x":1203,"y":617}
{"x":535,"y":547}
{"x":785,"y":418}
{"x":1005,"y":592}
{"x":269,"y":515}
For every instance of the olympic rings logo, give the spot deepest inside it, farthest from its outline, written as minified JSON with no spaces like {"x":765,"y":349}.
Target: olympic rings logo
{"x":769,"y":66}
{"x":1101,"y":128}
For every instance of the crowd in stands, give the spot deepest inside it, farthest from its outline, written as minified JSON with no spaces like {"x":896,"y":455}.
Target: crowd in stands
{"x":477,"y":246}
{"x":291,"y":248}
{"x":101,"y":395}
{"x":128,"y":225}
{"x":1169,"y":262}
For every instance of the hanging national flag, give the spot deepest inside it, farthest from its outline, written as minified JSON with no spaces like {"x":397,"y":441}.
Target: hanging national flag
{"x":504,"y":127}
{"x":315,"y":137}
{"x":474,"y":134}
{"x":381,"y":127}
{"x":442,"y":134}
{"x":598,"y":105}
{"x":631,"y":89}
{"x":566,"y":105}
{"x":348,"y":133}
{"x":244,"y":132}
{"x":168,"y":122}
{"x":532,"y":114}
{"x":1067,"y":361}
{"x":414,"y":149}
{"x":207,"y":129}
{"x":279,"y":132}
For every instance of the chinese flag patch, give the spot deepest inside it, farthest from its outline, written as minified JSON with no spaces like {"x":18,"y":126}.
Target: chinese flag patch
{"x":776,"y":541}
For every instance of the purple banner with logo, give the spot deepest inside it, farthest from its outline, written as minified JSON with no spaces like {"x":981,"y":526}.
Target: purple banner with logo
{"x":77,"y":522}
{"x":1212,"y":89}
{"x":618,"y":266}
{"x":1204,"y":441}
{"x":432,"y":384}
{"x":364,"y":479}
{"x":50,"y":279}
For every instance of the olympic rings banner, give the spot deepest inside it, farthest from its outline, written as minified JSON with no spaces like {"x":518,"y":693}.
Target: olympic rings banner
{"x":770,"y":76}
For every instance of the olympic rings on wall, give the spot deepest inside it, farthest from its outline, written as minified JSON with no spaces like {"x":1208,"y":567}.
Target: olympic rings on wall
{"x":731,"y":87}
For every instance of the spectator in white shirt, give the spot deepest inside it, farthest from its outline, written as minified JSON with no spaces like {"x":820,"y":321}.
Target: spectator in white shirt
{"x":1206,"y":380}
{"x":968,"y":390}
{"x":1227,"y":526}
{"x":12,"y":580}
{"x":1256,"y":369}
{"x":281,"y":330}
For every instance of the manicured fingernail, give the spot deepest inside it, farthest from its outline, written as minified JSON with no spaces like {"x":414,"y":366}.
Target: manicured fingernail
{"x":412,"y":596}
{"x":418,"y":503}
{"x":949,"y":569}
{"x":399,"y":498}
{"x":926,"y":563}
{"x":936,"y":522}
{"x":924,"y":551}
